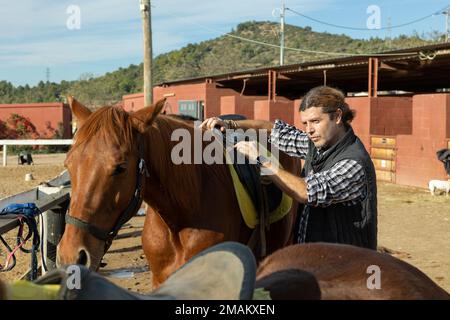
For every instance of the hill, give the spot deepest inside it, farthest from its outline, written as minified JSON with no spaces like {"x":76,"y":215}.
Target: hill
{"x":220,"y":55}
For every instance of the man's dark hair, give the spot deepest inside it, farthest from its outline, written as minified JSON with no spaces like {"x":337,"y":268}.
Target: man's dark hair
{"x":329,"y":99}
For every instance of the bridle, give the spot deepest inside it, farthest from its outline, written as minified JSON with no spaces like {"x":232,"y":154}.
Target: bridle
{"x":132,"y":208}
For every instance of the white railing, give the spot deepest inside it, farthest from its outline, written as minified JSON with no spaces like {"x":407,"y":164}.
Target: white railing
{"x":37,"y":142}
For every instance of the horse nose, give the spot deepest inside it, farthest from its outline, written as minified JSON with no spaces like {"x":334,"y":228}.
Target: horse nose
{"x":83,"y":258}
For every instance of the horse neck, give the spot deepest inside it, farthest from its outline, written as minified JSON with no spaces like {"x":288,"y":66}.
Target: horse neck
{"x":175,"y":188}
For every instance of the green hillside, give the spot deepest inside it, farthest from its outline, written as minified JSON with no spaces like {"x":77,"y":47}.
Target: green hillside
{"x":221,"y":55}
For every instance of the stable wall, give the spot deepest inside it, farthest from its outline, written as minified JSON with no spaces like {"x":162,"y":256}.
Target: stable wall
{"x":391,"y":116}
{"x":417,"y":162}
{"x":420,"y":124}
{"x":362,"y":121}
{"x":282,"y":109}
{"x":172,"y":93}
{"x":41,"y":115}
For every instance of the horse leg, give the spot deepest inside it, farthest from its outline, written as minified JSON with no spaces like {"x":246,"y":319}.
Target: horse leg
{"x":159,"y":247}
{"x":193,"y":241}
{"x":167,"y":250}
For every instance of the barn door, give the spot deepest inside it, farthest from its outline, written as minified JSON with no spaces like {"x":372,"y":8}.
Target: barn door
{"x":383,"y":154}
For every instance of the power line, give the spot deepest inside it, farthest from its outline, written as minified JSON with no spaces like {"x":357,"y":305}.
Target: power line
{"x":229,"y":35}
{"x":367,"y":29}
{"x":447,"y":14}
{"x":318,"y":52}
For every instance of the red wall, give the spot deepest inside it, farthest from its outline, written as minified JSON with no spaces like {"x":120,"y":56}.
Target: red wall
{"x":448,"y":116}
{"x":39,"y":114}
{"x":172,"y":93}
{"x":416,"y":154}
{"x":261,"y":111}
{"x":297,"y":119}
{"x":391,"y":115}
{"x":362,"y":122}
{"x":420,"y":123}
{"x":133,"y":102}
{"x":216,"y":101}
{"x":282,"y":109}
{"x":236,"y":104}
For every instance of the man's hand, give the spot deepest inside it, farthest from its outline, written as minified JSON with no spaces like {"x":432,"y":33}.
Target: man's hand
{"x":213,"y":122}
{"x":248,"y":149}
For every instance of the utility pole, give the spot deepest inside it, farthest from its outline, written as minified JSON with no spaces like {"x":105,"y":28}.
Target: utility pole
{"x":389,"y":33}
{"x":282,"y":14}
{"x":47,"y":74}
{"x":145,"y":7}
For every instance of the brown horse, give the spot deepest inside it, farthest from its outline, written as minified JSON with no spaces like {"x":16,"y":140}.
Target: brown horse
{"x":191,"y":206}
{"x":336,"y":271}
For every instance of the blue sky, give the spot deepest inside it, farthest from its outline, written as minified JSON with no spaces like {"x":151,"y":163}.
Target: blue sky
{"x":34,"y":34}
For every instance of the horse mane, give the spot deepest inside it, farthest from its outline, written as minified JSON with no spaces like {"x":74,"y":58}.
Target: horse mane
{"x":182,"y":183}
{"x":111,"y":124}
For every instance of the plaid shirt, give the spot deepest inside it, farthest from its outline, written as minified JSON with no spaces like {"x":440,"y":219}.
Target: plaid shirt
{"x":343,"y":183}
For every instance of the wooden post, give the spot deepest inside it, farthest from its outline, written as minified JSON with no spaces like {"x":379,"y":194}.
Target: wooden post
{"x":373,"y":78}
{"x":5,"y":159}
{"x":147,"y":28}
{"x":272,"y":85}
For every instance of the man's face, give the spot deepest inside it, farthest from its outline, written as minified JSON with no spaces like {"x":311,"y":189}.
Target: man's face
{"x":322,"y":128}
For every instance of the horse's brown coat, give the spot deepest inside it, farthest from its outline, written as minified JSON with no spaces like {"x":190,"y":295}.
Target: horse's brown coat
{"x":191,"y":206}
{"x":341,"y":272}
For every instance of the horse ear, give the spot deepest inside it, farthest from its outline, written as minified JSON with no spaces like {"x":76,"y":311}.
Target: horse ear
{"x":79,"y":110}
{"x":144,"y":118}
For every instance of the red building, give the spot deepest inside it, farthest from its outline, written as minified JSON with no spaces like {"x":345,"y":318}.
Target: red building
{"x":44,"y":116}
{"x":403,"y":112}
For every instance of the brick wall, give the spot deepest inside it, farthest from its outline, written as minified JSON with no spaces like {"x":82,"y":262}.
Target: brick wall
{"x":421,"y":124}
{"x":362,"y":122}
{"x":416,"y":154}
{"x":448,"y":117}
{"x":391,"y":115}
{"x":40,"y":114}
{"x":173,"y":93}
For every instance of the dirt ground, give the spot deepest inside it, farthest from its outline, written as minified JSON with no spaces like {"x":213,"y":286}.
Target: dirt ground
{"x":412,"y":224}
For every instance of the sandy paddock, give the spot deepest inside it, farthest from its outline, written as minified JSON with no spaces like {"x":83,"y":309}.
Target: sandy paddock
{"x":413,"y":225}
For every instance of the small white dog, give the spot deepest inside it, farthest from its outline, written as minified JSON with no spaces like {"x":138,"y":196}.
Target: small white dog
{"x":434,"y":185}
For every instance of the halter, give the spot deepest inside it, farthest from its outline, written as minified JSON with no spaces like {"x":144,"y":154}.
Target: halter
{"x":133,"y":206}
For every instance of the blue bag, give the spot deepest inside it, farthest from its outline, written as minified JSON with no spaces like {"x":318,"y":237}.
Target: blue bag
{"x":27,"y":209}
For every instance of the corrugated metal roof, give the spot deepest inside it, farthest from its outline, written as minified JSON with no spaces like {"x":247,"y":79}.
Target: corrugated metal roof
{"x":324,"y":64}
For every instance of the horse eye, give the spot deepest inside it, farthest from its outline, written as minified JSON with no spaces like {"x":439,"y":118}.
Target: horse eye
{"x":121,"y":168}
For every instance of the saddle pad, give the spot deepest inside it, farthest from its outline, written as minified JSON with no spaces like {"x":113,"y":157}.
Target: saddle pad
{"x":246,"y":205}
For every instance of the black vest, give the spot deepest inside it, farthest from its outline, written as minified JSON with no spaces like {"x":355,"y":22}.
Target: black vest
{"x":338,"y":223}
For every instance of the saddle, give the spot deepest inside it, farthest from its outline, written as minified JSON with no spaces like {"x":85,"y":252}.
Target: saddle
{"x":250,"y":177}
{"x":226,"y":271}
{"x":261,"y":202}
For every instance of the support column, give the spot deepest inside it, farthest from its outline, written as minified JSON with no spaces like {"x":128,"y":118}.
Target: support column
{"x":272,"y":83}
{"x":373,"y":78}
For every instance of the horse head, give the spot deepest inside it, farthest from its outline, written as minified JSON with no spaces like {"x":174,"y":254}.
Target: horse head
{"x":107,"y":171}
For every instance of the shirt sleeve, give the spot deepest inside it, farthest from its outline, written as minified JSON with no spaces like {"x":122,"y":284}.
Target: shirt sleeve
{"x":289,"y":139}
{"x":343,"y":183}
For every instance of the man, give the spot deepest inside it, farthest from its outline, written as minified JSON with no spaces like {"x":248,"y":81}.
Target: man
{"x":338,"y":183}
